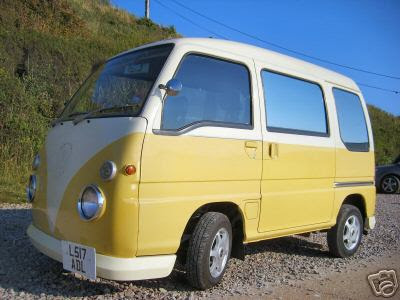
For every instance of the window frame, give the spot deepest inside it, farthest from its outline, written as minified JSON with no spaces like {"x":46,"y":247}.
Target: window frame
{"x":353,"y":146}
{"x":208,"y":123}
{"x":327,"y":134}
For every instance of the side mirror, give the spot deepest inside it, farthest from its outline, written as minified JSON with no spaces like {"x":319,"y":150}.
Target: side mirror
{"x":172,"y":88}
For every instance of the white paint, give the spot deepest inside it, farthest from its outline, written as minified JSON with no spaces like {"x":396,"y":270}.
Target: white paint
{"x":255,"y":59}
{"x":114,"y":268}
{"x":69,"y":147}
{"x":225,"y":133}
{"x":371,"y":222}
{"x":213,"y":46}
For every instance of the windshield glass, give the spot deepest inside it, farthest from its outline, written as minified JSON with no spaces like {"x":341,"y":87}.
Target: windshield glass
{"x":120,"y":86}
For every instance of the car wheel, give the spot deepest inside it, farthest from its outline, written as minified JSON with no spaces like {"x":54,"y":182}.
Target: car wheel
{"x":209,"y":250}
{"x":390,"y":184}
{"x":345,"y":237}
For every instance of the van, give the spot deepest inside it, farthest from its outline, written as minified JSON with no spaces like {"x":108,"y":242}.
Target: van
{"x":187,"y":149}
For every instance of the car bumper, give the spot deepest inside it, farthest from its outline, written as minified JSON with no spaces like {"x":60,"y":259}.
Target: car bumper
{"x":114,"y":268}
{"x":370,"y":222}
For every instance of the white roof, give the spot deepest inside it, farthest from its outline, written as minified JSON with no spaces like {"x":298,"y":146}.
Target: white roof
{"x":263,"y":55}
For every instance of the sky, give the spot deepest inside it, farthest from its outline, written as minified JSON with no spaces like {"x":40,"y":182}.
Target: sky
{"x":363,"y":34}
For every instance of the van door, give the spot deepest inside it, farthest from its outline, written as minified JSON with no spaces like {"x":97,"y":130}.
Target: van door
{"x":299,"y":155}
{"x":207,"y":148}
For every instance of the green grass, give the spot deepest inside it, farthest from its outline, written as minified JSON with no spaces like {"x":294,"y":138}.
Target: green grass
{"x":12,"y":191}
{"x":386,"y":129}
{"x":47,"y":48}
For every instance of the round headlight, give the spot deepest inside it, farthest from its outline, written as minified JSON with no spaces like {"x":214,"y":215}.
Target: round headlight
{"x":90,"y":203}
{"x":36,"y":162}
{"x":108,"y":170}
{"x":31,"y":189}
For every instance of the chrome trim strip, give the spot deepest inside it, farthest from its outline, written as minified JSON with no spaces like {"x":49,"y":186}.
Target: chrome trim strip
{"x":353,"y":183}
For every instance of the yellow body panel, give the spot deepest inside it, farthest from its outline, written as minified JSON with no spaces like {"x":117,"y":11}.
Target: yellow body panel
{"x":115,"y":232}
{"x":368,"y":193}
{"x":180,"y":174}
{"x":297,"y":186}
{"x":354,"y":165}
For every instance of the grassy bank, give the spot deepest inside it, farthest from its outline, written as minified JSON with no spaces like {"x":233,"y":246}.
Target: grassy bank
{"x":47,"y":48}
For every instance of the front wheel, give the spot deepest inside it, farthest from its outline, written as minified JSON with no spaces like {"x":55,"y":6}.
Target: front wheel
{"x":390,"y":184}
{"x":345,"y":237}
{"x":209,"y":250}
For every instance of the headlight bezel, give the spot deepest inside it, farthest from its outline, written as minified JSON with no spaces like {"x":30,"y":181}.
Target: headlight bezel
{"x":31,"y":188}
{"x":100,"y":203}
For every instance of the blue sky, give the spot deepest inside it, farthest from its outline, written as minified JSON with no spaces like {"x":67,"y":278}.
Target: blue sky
{"x":364,"y":34}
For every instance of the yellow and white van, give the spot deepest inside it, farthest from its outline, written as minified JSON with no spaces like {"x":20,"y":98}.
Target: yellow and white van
{"x":190,"y":148}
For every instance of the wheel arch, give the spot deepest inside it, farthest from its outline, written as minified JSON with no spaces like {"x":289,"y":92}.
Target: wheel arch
{"x":358,"y":201}
{"x":235,"y":216}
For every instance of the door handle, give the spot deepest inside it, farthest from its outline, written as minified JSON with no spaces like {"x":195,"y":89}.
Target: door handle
{"x":273,"y":150}
{"x":251,"y":144}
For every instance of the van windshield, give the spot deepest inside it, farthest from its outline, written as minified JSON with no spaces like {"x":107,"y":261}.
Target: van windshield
{"x":120,"y":86}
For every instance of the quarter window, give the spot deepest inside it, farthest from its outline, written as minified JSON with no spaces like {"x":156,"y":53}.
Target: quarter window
{"x":215,"y":92}
{"x":293,"y":105}
{"x":352,"y":125}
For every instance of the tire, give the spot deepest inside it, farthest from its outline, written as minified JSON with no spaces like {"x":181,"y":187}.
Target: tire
{"x":345,"y":237}
{"x":209,"y":250}
{"x":390,"y":184}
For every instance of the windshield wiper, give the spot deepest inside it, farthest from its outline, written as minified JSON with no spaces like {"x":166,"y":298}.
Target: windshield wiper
{"x":76,"y":113}
{"x":100,"y":110}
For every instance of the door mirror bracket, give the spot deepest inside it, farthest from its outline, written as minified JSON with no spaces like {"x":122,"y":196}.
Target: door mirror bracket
{"x":172,"y":88}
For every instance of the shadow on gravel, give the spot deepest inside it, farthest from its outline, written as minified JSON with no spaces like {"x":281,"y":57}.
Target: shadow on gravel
{"x":24,"y":270}
{"x":288,"y":245}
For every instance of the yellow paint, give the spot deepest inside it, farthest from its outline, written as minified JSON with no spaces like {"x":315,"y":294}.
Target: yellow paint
{"x":251,"y":210}
{"x":297,"y":186}
{"x":368,"y":194}
{"x":280,"y":189}
{"x":115,"y":232}
{"x":182,"y":173}
{"x":354,"y":164}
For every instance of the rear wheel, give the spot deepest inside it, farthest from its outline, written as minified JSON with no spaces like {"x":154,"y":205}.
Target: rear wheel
{"x":390,"y":184}
{"x":209,"y":250}
{"x":345,"y":237}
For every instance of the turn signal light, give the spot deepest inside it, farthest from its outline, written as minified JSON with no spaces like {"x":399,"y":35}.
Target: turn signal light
{"x":130,"y":170}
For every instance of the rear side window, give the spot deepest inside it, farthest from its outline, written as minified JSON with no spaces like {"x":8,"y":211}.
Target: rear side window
{"x":293,"y":105}
{"x":352,"y":125}
{"x":215,"y":93}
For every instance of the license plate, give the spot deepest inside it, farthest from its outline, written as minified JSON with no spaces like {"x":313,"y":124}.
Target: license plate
{"x":79,"y":259}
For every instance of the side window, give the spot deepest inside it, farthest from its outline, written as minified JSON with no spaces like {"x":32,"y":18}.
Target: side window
{"x":214,"y":91}
{"x":352,"y":125}
{"x":293,"y":105}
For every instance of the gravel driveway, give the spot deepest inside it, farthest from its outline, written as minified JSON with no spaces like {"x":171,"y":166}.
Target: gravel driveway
{"x":25,"y":273}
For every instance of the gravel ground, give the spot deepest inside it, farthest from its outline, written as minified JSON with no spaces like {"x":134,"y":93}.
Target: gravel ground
{"x":25,"y":273}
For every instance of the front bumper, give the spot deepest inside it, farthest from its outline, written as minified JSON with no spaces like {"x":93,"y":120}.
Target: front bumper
{"x":114,"y":268}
